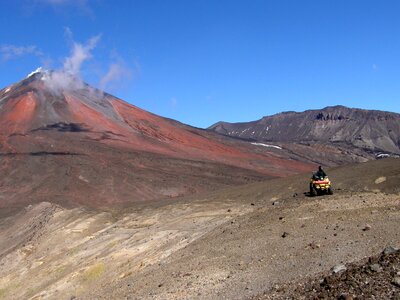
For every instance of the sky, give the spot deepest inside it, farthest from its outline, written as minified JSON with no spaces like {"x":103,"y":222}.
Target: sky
{"x":204,"y":61}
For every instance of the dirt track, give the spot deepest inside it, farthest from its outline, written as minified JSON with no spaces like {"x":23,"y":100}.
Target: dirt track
{"x":231,"y":244}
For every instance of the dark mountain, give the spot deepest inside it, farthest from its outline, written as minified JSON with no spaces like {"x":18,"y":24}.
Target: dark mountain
{"x":354,"y":132}
{"x":66,"y":142}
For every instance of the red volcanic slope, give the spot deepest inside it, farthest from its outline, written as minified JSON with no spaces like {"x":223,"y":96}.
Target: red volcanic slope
{"x":38,"y":120}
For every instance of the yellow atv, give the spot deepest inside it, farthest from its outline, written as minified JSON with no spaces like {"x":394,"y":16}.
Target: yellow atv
{"x":320,"y":186}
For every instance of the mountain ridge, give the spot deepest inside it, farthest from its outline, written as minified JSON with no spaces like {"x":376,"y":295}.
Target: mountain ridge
{"x":372,"y":131}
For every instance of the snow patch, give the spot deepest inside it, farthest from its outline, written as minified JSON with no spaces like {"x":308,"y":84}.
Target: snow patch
{"x":266,"y":145}
{"x":4,"y":94}
{"x":38,"y":70}
{"x":382,"y":155}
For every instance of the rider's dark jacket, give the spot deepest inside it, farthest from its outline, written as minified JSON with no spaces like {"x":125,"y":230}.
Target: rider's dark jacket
{"x":320,"y":174}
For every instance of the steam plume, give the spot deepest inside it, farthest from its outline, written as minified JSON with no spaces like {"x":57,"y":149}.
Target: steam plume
{"x":117,"y":73}
{"x":69,"y":77}
{"x":79,"y":54}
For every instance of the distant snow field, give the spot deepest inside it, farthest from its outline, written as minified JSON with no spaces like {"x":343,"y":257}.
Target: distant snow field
{"x":266,"y":145}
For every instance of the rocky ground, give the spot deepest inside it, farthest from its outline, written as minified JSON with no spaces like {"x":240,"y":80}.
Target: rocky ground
{"x":264,"y":240}
{"x":377,"y":277}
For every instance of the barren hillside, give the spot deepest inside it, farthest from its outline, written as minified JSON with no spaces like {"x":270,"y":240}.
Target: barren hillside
{"x":235,"y":243}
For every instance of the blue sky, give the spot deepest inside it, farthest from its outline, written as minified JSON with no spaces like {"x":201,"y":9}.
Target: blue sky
{"x":203,"y":61}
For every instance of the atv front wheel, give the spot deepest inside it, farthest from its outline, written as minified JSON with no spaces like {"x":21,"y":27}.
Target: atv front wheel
{"x":330,"y":192}
{"x":313,"y":191}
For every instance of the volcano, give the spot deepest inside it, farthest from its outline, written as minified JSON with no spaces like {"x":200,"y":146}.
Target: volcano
{"x":65,"y":142}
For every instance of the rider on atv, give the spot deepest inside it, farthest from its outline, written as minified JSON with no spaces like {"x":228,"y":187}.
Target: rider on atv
{"x":320,"y":174}
{"x":320,"y":183}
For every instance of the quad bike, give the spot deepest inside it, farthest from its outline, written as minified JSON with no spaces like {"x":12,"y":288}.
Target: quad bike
{"x":320,"y":186}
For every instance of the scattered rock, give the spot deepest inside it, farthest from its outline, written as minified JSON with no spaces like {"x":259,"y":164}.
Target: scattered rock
{"x":314,"y":245}
{"x":275,"y":203}
{"x":294,"y":195}
{"x":338,"y":268}
{"x":252,"y":204}
{"x":367,"y":227}
{"x":396,"y":281}
{"x":377,"y":277}
{"x":390,"y":250}
{"x":376,"y":268}
{"x":229,"y":210}
{"x":285,"y":234}
{"x":380,"y":180}
{"x":345,"y":297}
